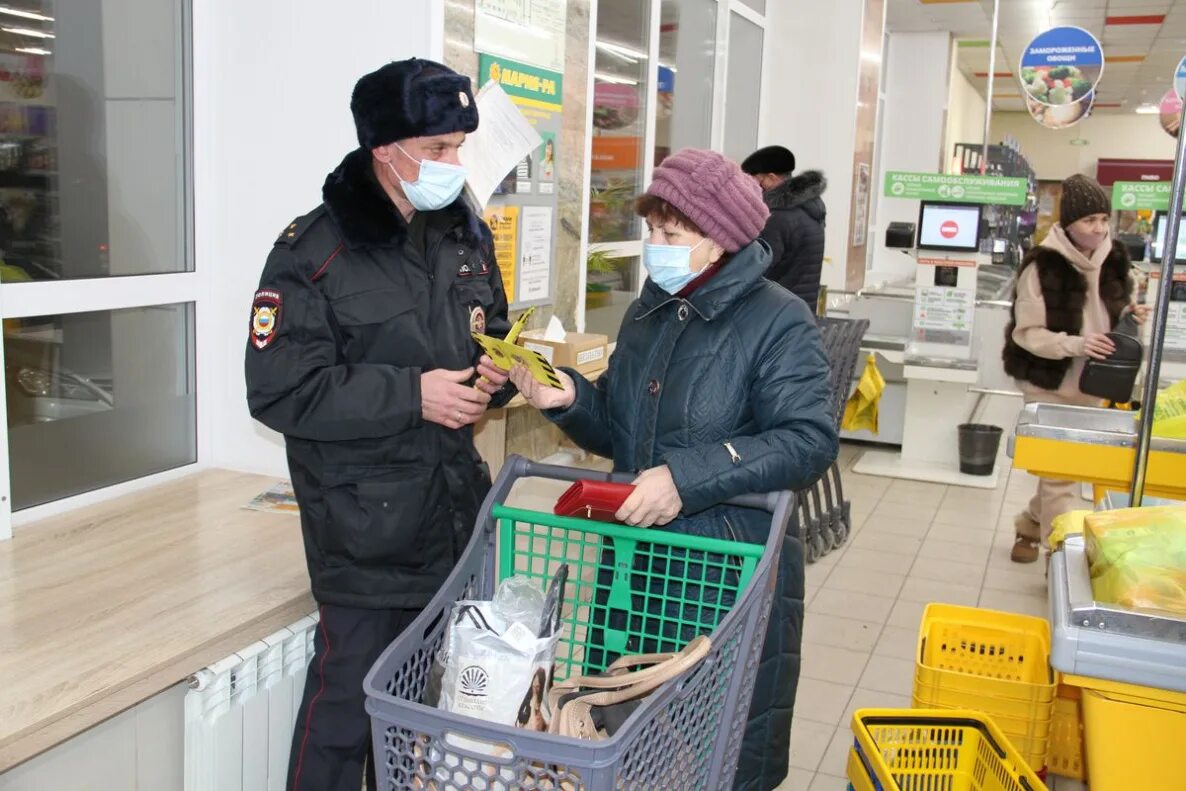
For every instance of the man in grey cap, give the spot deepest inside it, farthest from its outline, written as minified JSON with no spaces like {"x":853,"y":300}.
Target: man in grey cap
{"x":359,"y":351}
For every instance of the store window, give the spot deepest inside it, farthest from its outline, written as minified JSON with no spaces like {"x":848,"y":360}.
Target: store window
{"x":690,"y":78}
{"x":94,"y":164}
{"x":96,"y":399}
{"x":744,"y":90}
{"x":687,"y":58}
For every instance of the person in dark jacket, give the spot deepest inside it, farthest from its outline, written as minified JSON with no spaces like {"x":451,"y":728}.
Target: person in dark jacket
{"x":360,"y":354}
{"x":795,"y":230}
{"x":1071,"y":291}
{"x":718,"y":387}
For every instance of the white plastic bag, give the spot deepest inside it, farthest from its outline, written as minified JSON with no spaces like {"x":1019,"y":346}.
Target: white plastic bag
{"x":495,"y":671}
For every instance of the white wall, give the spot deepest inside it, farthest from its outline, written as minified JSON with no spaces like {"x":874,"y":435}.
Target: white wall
{"x":271,"y":118}
{"x":809,"y":95}
{"x":916,"y":92}
{"x":965,"y":112}
{"x":1111,"y":136}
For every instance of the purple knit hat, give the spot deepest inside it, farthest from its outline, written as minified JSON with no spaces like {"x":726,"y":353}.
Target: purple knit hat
{"x":713,"y":192}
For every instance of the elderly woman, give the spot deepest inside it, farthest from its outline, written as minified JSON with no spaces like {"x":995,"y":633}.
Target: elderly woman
{"x":718,"y":387}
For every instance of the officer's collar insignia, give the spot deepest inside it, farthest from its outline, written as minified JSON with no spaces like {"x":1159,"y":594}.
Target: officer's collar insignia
{"x":466,"y":270}
{"x":265,"y":318}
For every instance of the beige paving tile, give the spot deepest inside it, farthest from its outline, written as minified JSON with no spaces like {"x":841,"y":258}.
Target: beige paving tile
{"x":897,"y":642}
{"x":834,"y":764}
{"x":833,"y":663}
{"x":887,"y":674}
{"x":933,"y":546}
{"x":950,"y":571}
{"x":968,"y":519}
{"x":962,"y":535}
{"x":822,"y":701}
{"x":1015,"y":602}
{"x":875,"y":699}
{"x":1029,"y":579}
{"x":893,"y":509}
{"x":924,"y":590}
{"x":848,"y":604}
{"x":864,"y":581}
{"x":838,"y":631}
{"x":796,"y":780}
{"x":809,"y":741}
{"x":869,"y":560}
{"x":823,"y":782}
{"x":906,"y":614}
{"x":915,"y":525}
{"x":880,"y":541}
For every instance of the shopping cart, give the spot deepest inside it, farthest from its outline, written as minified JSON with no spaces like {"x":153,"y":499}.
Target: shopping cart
{"x":630,"y":591}
{"x":825,"y":517}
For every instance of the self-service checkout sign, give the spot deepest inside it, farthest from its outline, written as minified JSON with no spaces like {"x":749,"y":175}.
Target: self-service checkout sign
{"x":1141,"y":195}
{"x":992,"y":190}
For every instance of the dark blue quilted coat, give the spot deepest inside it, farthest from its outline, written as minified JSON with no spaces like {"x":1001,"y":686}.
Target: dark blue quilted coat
{"x":739,"y":361}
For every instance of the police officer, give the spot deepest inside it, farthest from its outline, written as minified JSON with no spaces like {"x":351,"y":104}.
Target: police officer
{"x":360,"y":353}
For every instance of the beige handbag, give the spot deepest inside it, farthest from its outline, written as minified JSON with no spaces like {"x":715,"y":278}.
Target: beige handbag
{"x":591,"y":707}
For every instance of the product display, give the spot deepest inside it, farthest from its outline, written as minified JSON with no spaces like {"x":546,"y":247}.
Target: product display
{"x":1137,"y":558}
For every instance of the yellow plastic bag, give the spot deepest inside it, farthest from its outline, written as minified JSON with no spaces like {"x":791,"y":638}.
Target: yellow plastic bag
{"x":1169,"y":412}
{"x":1068,"y":524}
{"x":861,"y":410}
{"x":1137,"y":557}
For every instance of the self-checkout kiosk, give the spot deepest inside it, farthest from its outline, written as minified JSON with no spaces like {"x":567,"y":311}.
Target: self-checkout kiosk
{"x":1173,"y":364}
{"x":939,"y":361}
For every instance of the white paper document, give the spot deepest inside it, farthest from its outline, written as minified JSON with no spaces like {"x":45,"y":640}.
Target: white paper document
{"x":503,"y":138}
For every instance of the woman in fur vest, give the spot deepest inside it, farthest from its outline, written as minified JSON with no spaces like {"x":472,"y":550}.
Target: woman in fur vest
{"x":1071,"y":289}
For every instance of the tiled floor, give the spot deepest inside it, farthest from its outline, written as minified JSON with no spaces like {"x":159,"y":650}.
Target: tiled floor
{"x":913,"y":543}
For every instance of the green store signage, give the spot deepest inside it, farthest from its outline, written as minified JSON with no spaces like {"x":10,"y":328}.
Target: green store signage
{"x":1141,"y":196}
{"x":991,"y":190}
{"x":530,"y":84}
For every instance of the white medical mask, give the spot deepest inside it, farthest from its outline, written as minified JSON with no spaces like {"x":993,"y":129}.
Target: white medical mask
{"x":438,"y":184}
{"x":670,"y":266}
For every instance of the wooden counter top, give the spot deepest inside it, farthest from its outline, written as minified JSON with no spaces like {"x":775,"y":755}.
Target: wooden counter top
{"x":108,"y":605}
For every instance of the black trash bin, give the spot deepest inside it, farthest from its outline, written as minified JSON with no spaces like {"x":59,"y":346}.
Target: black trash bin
{"x":979,"y":444}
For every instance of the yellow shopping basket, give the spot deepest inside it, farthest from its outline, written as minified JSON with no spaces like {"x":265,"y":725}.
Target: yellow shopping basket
{"x":910,"y":749}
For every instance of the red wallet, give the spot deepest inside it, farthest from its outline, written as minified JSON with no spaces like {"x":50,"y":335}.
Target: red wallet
{"x":596,"y":500}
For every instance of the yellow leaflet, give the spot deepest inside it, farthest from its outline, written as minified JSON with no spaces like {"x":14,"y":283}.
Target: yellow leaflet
{"x":507,"y":355}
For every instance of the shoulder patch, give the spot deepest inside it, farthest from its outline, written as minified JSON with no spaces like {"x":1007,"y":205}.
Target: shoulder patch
{"x":296,"y":229}
{"x":265,"y":317}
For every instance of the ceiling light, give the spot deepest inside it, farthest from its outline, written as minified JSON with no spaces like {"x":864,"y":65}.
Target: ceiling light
{"x":600,"y":75}
{"x":625,"y":53}
{"x":33,"y":51}
{"x":1148,"y":109}
{"x":25,"y":14}
{"x":24,"y":31}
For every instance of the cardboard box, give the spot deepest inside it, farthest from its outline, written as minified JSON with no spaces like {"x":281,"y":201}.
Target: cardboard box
{"x":583,"y":352}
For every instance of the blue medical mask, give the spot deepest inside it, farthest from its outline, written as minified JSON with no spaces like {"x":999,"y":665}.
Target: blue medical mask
{"x":438,"y":184}
{"x":670,"y":266}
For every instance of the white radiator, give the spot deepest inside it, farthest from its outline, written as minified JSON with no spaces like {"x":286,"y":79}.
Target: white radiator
{"x":240,"y":713}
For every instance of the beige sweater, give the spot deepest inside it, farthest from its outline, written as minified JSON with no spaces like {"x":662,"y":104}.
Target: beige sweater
{"x":1030,"y":311}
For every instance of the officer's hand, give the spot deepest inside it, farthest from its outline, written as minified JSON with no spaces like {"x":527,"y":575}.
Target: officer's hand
{"x":654,"y":501}
{"x":445,"y":398}
{"x":542,"y":396}
{"x":491,"y":377}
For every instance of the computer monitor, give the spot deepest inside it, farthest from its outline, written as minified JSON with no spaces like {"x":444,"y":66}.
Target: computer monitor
{"x":950,"y":227}
{"x":1159,"y":228}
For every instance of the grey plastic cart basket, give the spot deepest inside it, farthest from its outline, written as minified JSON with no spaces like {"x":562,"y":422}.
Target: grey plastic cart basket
{"x":685,"y":735}
{"x":825,"y":517}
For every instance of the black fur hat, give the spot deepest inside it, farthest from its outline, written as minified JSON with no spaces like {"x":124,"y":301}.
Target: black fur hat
{"x":771,"y":159}
{"x":411,"y":98}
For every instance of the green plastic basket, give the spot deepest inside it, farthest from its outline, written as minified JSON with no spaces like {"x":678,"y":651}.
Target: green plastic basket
{"x":630,"y":590}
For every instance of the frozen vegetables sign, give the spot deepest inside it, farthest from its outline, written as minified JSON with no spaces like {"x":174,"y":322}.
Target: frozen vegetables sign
{"x":1061,"y":66}
{"x":989,"y":190}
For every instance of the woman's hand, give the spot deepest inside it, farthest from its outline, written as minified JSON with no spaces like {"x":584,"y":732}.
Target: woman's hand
{"x":1141,"y":313}
{"x":1098,"y":346}
{"x":655,"y":500}
{"x":491,"y":378}
{"x":542,"y":396}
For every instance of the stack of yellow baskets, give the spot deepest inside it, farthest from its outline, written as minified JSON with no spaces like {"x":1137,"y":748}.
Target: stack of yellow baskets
{"x":993,"y":662}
